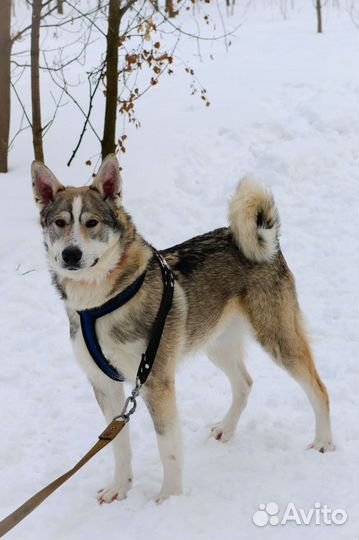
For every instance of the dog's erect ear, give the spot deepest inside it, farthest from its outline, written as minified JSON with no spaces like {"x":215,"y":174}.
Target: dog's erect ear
{"x":44,"y":184}
{"x":108,"y":180}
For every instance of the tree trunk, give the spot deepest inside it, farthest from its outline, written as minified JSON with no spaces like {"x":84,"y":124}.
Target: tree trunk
{"x":109,"y":132}
{"x":319,"y":16}
{"x":60,"y":7}
{"x":35,"y":80}
{"x":5,"y":50}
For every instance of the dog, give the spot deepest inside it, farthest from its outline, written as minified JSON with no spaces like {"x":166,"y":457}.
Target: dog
{"x":226,"y":281}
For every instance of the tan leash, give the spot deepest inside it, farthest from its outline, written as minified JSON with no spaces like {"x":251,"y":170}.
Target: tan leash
{"x":112,"y":430}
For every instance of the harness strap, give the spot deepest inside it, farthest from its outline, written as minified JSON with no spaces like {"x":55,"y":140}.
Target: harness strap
{"x":89,"y":317}
{"x":88,"y":320}
{"x":149,"y":356}
{"x":112,"y":430}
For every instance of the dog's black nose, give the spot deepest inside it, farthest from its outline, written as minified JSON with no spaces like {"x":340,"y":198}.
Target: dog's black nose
{"x":72,"y":256}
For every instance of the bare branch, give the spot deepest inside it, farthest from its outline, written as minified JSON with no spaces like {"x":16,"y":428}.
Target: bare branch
{"x":87,"y":118}
{"x":84,"y":15}
{"x":126,"y":7}
{"x":21,"y":104}
{"x":64,"y":89}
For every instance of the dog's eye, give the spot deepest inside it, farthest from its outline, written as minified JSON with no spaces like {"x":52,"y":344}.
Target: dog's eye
{"x":60,"y":223}
{"x":91,"y":223}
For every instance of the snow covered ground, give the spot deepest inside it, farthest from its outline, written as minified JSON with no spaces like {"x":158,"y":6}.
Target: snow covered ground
{"x":284,"y":108}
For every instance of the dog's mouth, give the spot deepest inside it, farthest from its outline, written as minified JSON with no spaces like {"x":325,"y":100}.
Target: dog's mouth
{"x":75,"y":268}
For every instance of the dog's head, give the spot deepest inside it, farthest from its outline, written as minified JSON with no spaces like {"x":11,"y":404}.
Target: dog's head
{"x":83,"y":229}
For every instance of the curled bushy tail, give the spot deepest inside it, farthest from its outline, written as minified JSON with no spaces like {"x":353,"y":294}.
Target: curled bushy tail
{"x":254,"y":220}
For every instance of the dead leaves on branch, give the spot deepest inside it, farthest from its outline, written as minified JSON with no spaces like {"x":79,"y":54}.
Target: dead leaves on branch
{"x":146,"y":49}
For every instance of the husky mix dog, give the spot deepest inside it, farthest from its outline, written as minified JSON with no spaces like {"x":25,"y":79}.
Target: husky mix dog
{"x":225,"y":281}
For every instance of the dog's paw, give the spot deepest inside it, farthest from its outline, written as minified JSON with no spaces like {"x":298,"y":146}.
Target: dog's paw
{"x":159,"y":499}
{"x":164,"y":496}
{"x":222,"y":432}
{"x":321,"y":446}
{"x":114,"y":492}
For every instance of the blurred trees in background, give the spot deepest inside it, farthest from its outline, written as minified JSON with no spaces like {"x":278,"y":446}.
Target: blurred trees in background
{"x":318,"y":7}
{"x":7,"y":40}
{"x":131,"y":43}
{"x":5,"y":48}
{"x":124,"y":35}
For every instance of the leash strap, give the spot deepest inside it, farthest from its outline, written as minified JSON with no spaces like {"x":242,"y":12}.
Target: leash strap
{"x":112,"y":430}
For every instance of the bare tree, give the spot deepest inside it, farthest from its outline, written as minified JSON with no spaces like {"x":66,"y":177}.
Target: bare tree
{"x":108,"y":144}
{"x":7,"y":43}
{"x":5,"y":51}
{"x":318,"y":7}
{"x":141,"y":39}
{"x":60,"y":7}
{"x":54,"y":63}
{"x":142,"y":23}
{"x":132,"y":49}
{"x":35,"y":81}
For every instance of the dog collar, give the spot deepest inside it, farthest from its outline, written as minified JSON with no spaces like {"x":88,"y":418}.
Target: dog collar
{"x":89,"y":317}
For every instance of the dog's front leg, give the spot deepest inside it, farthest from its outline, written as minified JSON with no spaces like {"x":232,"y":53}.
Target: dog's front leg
{"x":160,"y":398}
{"x":111,"y":399}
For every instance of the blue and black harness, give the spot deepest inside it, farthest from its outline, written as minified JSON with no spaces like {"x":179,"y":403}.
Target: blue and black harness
{"x":89,"y":317}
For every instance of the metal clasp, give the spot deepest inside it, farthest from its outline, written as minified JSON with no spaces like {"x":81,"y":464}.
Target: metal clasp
{"x":130,"y":404}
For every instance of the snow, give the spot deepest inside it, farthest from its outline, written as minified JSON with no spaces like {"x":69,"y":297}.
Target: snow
{"x":284,"y":109}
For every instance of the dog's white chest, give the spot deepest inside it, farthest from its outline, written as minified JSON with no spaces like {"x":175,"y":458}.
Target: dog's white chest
{"x":124,"y":357}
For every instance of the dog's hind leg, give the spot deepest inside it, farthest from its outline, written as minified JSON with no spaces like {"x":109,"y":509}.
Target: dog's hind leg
{"x":298,"y":361}
{"x":278,"y":324}
{"x":227,"y":352}
{"x":111,"y":398}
